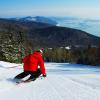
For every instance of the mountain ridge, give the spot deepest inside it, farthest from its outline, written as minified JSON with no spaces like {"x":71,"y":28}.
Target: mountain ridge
{"x":40,"y":19}
{"x":49,"y":35}
{"x":88,"y":25}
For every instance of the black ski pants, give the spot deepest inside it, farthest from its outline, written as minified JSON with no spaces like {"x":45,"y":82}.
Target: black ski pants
{"x":33,"y":74}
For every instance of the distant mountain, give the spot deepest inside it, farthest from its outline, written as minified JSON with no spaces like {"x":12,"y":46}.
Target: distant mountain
{"x":37,"y":19}
{"x":47,"y":35}
{"x":89,"y":25}
{"x":85,"y":24}
{"x":61,"y":36}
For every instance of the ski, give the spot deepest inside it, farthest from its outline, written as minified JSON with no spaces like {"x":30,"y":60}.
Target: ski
{"x":25,"y":81}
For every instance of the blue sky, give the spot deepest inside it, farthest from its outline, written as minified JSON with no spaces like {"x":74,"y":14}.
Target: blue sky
{"x":81,"y":8}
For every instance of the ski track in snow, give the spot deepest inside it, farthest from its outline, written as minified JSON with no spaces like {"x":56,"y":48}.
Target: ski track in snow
{"x":63,"y":82}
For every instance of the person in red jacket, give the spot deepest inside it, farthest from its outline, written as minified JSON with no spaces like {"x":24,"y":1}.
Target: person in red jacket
{"x":31,"y":63}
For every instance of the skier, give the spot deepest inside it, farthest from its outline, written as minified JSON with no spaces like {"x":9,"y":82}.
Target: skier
{"x":30,"y":66}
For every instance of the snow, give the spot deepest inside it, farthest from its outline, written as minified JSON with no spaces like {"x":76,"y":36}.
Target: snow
{"x":63,"y":82}
{"x":8,"y":65}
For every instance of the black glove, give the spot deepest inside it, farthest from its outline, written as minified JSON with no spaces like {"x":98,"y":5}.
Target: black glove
{"x":44,"y":75}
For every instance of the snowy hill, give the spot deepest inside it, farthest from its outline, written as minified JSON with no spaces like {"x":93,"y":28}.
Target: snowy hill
{"x":63,"y":82}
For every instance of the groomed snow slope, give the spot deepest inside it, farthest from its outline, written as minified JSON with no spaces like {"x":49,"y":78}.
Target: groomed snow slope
{"x":63,"y":82}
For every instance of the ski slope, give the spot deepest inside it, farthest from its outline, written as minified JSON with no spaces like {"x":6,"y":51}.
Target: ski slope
{"x":63,"y":82}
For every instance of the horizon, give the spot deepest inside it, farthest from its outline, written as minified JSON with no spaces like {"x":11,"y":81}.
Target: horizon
{"x":67,"y":16}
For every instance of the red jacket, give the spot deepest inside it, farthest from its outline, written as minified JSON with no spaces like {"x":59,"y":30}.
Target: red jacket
{"x":32,"y":61}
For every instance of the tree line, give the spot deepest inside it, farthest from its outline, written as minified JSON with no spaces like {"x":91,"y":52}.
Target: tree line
{"x":86,"y":55}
